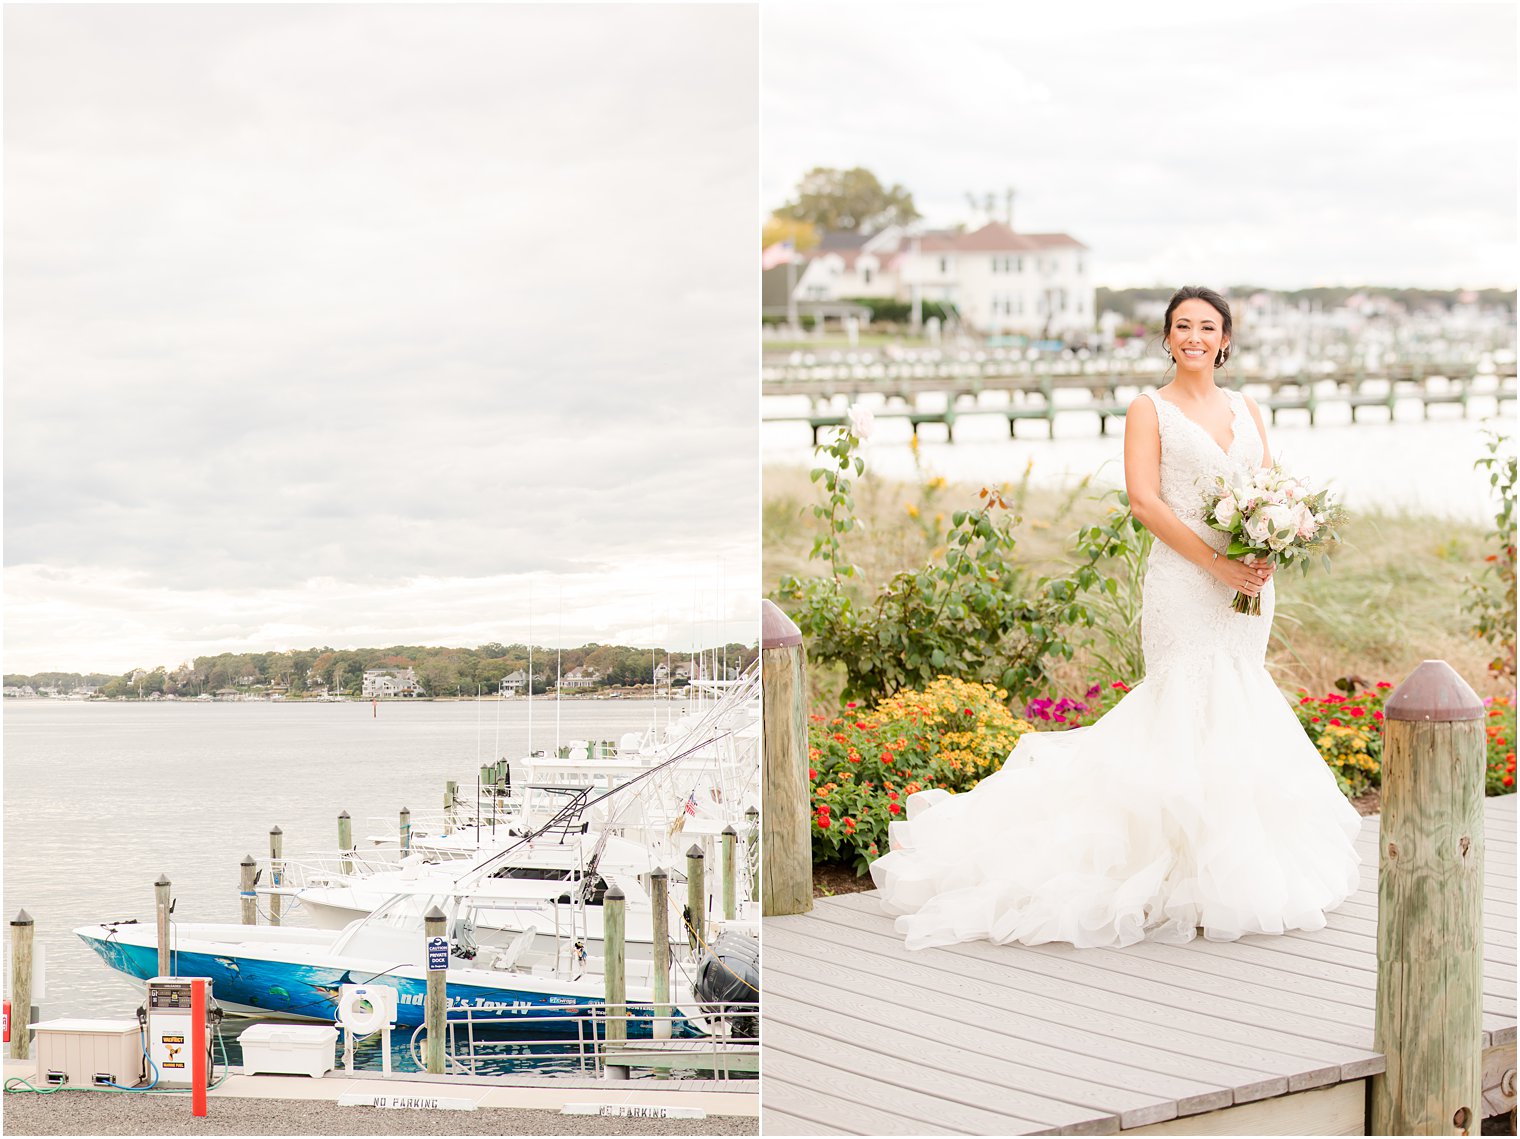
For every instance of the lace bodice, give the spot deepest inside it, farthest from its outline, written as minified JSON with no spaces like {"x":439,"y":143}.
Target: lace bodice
{"x":1189,"y":454}
{"x":1186,"y":619}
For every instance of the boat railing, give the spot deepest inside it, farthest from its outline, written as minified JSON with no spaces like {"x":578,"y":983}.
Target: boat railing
{"x":726,"y":1042}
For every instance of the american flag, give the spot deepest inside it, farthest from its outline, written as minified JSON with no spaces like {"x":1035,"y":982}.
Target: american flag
{"x":778,"y":254}
{"x":691,"y":803}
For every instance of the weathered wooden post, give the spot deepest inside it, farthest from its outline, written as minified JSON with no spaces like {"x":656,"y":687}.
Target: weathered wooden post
{"x":276,"y":875}
{"x":730,"y":873}
{"x":346,"y":842}
{"x":450,"y":802}
{"x":696,"y":898}
{"x":1429,"y":1018}
{"x":22,"y":929}
{"x":614,"y":979}
{"x":437,"y":988}
{"x":787,"y":852}
{"x":752,"y":841}
{"x":161,"y":909}
{"x":247,"y":895}
{"x":659,"y":903}
{"x":405,"y":832}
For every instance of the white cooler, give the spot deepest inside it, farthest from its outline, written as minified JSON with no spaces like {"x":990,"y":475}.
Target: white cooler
{"x":87,"y":1053}
{"x":288,"y":1049}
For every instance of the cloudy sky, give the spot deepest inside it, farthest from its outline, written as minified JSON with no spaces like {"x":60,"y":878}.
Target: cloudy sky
{"x":1276,"y":143}
{"x":359,"y":325}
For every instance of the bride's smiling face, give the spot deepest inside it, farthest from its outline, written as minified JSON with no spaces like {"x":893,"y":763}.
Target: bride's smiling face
{"x":1197,"y":333}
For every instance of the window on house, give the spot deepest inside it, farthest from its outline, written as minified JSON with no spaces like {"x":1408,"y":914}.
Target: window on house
{"x":1079,"y":264}
{"x":865,"y":276}
{"x":944,"y":264}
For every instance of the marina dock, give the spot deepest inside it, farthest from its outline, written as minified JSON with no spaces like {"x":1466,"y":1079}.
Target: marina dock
{"x":1266,"y":1035}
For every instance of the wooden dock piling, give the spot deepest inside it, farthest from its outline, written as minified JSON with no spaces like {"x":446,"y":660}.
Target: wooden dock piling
{"x":346,"y":841}
{"x":696,"y":898}
{"x":752,"y":842}
{"x":433,"y":923}
{"x":730,"y":873}
{"x":659,"y":904}
{"x":22,"y":931}
{"x":404,"y":832}
{"x":1429,"y":1020}
{"x":450,"y":805}
{"x":787,"y":882}
{"x":276,"y":875}
{"x":248,"y":897}
{"x":161,"y":909}
{"x":614,"y":961}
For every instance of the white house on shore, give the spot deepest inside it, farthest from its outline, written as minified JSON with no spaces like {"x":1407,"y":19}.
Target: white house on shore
{"x":514,"y":683}
{"x":580,"y":678}
{"x":999,"y":281}
{"x":382,"y":682}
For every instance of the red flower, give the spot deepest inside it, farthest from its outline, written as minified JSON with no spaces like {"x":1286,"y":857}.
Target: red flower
{"x":1304,"y":700}
{"x":812,"y":774}
{"x":849,"y":823}
{"x":854,"y":757}
{"x":1501,"y":741}
{"x":892,"y":795}
{"x":1335,"y":723}
{"x":1120,"y":685}
{"x":840,"y":737}
{"x":823,"y":821}
{"x":1378,"y":716}
{"x":895,"y":808}
{"x":969,"y":712}
{"x":1313,"y":719}
{"x":1509,"y":780}
{"x":852,"y":704}
{"x":1384,"y":684}
{"x":1356,"y":711}
{"x":862,"y":725}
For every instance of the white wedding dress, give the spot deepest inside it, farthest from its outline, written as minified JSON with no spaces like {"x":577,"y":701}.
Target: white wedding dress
{"x":1196,"y":803}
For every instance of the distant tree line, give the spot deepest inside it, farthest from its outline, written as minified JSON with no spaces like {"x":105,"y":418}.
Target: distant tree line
{"x":440,"y":671}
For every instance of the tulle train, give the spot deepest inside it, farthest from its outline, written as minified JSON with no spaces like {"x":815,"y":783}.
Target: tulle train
{"x":1195,"y":804}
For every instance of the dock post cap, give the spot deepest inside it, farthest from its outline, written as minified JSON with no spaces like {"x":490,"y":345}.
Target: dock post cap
{"x":614,"y":894}
{"x":163,"y":880}
{"x":730,"y":830}
{"x":1433,"y":692}
{"x":777,"y":630}
{"x":247,"y":860}
{"x":659,"y":872}
{"x":753,"y":812}
{"x":695,"y":852}
{"x":435,"y":914}
{"x":275,"y":830}
{"x":21,"y":918}
{"x":343,"y":814}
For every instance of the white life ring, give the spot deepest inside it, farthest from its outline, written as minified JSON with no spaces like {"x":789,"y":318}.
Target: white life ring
{"x":363,"y":1009}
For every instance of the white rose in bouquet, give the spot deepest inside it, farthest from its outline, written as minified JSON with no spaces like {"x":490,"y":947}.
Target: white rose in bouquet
{"x":1227,"y":513}
{"x":1308,"y":524}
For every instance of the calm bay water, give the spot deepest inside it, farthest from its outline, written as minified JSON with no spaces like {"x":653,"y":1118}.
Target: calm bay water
{"x":1407,"y":464}
{"x":100,"y":798}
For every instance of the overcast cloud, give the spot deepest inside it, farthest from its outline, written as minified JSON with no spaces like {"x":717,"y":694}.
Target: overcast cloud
{"x":1275,"y":143}
{"x":340,"y":324}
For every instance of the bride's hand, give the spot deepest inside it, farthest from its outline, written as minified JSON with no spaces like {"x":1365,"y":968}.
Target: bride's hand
{"x":1249,"y":578}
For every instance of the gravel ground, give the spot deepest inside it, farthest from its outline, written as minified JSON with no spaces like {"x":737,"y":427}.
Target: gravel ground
{"x":98,"y":1113}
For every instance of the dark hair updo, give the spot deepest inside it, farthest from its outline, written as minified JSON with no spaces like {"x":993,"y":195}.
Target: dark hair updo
{"x":1208,"y":297}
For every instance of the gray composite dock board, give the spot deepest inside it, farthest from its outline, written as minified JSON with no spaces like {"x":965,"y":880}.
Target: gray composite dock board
{"x":873,"y":1038}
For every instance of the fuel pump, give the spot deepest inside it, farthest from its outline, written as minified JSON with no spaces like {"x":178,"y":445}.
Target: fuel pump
{"x":176,"y":1034}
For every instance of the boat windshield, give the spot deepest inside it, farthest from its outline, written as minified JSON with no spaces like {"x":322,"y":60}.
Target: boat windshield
{"x":406,"y":911}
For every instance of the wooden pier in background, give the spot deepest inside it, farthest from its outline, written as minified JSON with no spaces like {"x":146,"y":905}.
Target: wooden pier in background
{"x":1266,"y":1035}
{"x":1020,"y":390}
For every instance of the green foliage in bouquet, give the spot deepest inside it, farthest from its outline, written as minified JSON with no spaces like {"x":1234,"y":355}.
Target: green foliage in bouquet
{"x":864,"y":763}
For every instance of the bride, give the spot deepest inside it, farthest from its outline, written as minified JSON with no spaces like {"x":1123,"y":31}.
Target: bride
{"x":1197,"y":802}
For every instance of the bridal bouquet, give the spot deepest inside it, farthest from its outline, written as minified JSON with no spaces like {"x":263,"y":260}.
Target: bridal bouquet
{"x":1273,"y":517}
